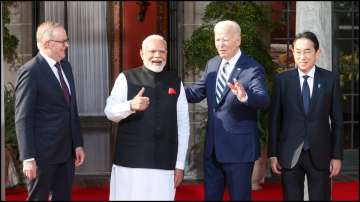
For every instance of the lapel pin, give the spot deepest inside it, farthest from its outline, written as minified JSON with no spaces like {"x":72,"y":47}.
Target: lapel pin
{"x":319,"y":85}
{"x":238,"y":69}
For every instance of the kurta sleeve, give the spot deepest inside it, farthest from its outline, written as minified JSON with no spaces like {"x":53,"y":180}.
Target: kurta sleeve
{"x":183,"y":128}
{"x":117,"y":104}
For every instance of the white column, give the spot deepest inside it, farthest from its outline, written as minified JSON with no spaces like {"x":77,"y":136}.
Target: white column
{"x":315,"y":16}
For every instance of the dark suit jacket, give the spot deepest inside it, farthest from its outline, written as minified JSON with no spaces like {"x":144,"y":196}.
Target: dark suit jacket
{"x":288,"y":123}
{"x":48,"y":129}
{"x":232,"y":125}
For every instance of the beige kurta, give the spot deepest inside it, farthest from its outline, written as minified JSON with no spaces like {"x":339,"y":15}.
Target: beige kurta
{"x":141,"y":184}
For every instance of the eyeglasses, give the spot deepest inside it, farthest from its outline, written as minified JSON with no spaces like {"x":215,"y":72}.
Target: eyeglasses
{"x":63,"y":42}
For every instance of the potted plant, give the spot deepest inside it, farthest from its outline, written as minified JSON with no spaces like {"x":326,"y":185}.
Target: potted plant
{"x":12,"y":162}
{"x":256,"y":25}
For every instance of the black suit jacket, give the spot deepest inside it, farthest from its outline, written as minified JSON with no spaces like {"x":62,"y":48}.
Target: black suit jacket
{"x":47,"y":128}
{"x":288,"y":123}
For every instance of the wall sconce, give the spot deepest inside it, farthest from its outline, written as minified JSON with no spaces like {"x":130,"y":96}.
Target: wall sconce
{"x":143,"y":6}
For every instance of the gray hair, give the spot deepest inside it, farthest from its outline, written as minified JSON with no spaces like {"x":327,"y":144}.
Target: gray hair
{"x":228,"y":23}
{"x":45,"y":30}
{"x":151,"y":37}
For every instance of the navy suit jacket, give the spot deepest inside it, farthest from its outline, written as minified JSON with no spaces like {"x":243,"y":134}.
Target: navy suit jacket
{"x":47,"y":128}
{"x":288,"y":123}
{"x":232,"y":126}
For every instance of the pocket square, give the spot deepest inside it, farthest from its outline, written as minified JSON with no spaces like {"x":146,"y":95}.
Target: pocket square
{"x":171,"y":91}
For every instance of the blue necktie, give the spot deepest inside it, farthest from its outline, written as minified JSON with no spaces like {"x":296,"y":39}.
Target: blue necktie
{"x":306,"y":101}
{"x":221,"y":83}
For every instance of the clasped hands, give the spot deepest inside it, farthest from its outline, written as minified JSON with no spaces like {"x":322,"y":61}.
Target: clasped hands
{"x":140,"y":102}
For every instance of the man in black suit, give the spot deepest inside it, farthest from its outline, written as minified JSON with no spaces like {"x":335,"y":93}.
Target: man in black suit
{"x":301,"y":139}
{"x":46,"y":117}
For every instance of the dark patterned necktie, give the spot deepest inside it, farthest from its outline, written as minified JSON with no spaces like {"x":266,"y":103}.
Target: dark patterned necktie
{"x":221,"y":83}
{"x":306,"y":94}
{"x":306,"y":101}
{"x":63,"y":84}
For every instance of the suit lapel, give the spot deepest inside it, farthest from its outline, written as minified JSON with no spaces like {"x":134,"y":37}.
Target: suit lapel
{"x":49,"y":74}
{"x":46,"y":69}
{"x":316,"y":89}
{"x":216,"y":67}
{"x":294,"y":83}
{"x":67,"y":71}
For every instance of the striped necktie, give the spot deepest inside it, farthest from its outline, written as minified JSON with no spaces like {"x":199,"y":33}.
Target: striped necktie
{"x":221,"y":82}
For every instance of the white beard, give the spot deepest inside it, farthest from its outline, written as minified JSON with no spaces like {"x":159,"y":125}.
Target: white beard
{"x":154,"y":68}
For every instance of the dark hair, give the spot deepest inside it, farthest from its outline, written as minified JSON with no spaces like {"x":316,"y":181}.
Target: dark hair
{"x":308,"y":35}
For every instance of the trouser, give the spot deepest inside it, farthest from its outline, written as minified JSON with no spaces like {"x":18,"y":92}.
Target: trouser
{"x":237,"y":177}
{"x":319,"y":183}
{"x":54,"y":179}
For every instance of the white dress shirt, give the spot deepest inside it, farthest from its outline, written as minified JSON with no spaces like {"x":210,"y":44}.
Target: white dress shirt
{"x":310,"y":80}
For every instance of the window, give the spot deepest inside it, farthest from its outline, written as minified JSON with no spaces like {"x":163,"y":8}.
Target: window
{"x":346,"y":62}
{"x":283,"y":36}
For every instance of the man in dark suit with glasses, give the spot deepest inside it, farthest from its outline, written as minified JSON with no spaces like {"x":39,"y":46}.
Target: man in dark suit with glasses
{"x":46,"y":117}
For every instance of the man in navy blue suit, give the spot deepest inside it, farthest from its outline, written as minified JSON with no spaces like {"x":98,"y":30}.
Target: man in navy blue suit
{"x":234,"y":85}
{"x":46,"y":117}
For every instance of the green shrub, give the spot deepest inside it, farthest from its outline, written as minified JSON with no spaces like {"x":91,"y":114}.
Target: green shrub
{"x":10,"y":41}
{"x":10,"y":132}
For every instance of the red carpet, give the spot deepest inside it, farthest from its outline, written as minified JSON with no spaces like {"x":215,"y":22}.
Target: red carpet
{"x":342,"y":191}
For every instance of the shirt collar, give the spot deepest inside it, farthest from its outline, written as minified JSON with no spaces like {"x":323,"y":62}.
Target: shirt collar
{"x":49,"y":60}
{"x":233,"y":60}
{"x":311,"y":73}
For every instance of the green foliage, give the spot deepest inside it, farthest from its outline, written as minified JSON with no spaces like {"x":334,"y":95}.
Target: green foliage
{"x":347,"y":62}
{"x":255,"y":22}
{"x":10,"y":41}
{"x":200,"y":48}
{"x":9,"y":100}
